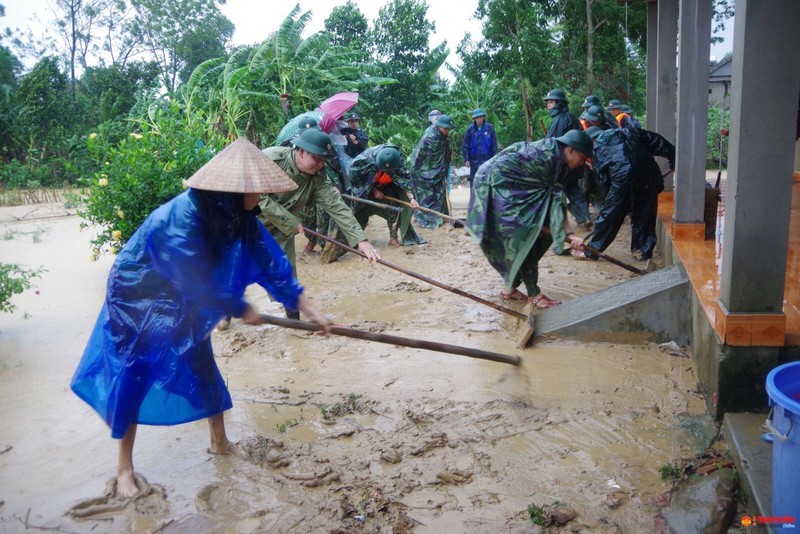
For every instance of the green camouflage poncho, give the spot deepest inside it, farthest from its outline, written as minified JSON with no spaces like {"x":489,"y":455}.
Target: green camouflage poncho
{"x":515,"y":194}
{"x":364,"y":171}
{"x":430,"y":163}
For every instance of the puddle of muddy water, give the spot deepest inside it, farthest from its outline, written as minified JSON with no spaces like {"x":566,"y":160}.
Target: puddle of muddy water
{"x":439,"y":442}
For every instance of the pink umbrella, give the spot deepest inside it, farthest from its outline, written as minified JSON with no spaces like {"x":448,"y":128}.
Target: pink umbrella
{"x":335,"y":107}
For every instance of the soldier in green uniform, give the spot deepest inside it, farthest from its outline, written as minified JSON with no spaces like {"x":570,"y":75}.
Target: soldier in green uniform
{"x":281,"y":213}
{"x":430,"y":164}
{"x":518,"y":194}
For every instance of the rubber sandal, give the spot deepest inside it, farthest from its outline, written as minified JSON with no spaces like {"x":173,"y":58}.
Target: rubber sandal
{"x":514,"y":295}
{"x":582,"y":256}
{"x":543,"y":302}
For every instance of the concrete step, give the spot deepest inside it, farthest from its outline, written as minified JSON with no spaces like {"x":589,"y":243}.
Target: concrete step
{"x":653,"y":307}
{"x":753,"y":458}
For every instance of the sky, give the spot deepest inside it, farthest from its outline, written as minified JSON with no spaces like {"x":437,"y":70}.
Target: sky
{"x":452,"y":19}
{"x":256,"y":19}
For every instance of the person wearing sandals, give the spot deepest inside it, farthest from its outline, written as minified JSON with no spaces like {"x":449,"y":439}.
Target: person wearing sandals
{"x":518,"y":209}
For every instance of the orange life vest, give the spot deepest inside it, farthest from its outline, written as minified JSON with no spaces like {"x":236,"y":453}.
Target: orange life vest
{"x":619,"y":117}
{"x":584,"y":123}
{"x":382,"y":178}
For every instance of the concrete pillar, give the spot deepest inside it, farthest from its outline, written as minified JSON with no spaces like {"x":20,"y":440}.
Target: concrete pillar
{"x":765,"y":85}
{"x":652,"y":64}
{"x":666,"y":74}
{"x":692,"y":119}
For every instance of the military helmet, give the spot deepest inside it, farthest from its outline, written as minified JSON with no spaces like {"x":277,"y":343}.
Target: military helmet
{"x":445,"y":121}
{"x":594,"y":113}
{"x":308,"y":122}
{"x":315,"y":142}
{"x":614,"y":104}
{"x":594,"y":131}
{"x":578,"y":140}
{"x":556,"y":94}
{"x":433,"y":114}
{"x":353,"y":117}
{"x":626,"y":109}
{"x":590,"y":101}
{"x":478,"y":113}
{"x":389,"y":158}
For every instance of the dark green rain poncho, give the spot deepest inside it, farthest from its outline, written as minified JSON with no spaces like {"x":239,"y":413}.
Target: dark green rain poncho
{"x":363,"y":174}
{"x":363,"y":180}
{"x":430,"y":163}
{"x":516,"y":194}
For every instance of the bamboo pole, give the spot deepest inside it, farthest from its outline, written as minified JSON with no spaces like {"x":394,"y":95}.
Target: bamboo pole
{"x":393,"y":340}
{"x":418,"y":276}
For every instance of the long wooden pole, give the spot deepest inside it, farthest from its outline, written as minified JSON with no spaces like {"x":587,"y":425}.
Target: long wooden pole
{"x":393,"y":340}
{"x":606,"y":257}
{"x":418,"y":276}
{"x":372,"y":203}
{"x":428,"y":210}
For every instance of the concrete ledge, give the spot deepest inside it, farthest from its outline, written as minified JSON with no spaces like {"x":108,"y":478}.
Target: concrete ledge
{"x":753,"y":458}
{"x":641,"y":310}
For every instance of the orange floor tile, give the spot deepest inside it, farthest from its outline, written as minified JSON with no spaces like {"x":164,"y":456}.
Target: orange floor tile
{"x":702,"y":261}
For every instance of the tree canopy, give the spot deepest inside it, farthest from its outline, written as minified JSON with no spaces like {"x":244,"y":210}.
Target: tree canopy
{"x":119,"y":60}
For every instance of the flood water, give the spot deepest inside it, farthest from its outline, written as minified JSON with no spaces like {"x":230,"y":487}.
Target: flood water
{"x":337,"y":433}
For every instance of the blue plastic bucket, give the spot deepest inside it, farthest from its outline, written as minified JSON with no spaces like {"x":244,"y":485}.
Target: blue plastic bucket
{"x":783,"y":388}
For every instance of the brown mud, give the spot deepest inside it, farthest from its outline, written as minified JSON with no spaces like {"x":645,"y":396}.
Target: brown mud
{"x":343,"y":435}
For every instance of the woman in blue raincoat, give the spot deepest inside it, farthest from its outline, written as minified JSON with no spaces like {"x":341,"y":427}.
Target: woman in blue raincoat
{"x":149,"y":359}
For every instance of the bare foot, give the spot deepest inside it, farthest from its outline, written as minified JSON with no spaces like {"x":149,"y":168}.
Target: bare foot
{"x":224,"y":450}
{"x":126,"y":484}
{"x":393,"y":242}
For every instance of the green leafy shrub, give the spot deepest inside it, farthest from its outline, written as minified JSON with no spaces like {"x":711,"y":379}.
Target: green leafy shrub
{"x":717,"y":137}
{"x":139,"y":173}
{"x":13,"y":281}
{"x":669,"y":472}
{"x":51,"y":172}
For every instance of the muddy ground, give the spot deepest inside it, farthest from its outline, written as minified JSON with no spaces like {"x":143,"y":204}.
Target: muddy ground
{"x":343,"y":435}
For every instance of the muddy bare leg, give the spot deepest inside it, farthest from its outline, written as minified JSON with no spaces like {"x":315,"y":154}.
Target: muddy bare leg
{"x":126,"y":480}
{"x":219,"y":440}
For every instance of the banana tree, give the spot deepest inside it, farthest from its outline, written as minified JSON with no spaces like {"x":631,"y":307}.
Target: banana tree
{"x":240,"y":95}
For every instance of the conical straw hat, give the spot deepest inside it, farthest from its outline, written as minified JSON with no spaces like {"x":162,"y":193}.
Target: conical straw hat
{"x":241,"y":168}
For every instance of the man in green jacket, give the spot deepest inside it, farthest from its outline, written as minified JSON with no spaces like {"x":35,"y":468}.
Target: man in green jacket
{"x":282,"y":213}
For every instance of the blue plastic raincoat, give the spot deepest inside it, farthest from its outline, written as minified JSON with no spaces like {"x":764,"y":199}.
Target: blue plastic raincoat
{"x":149,"y":359}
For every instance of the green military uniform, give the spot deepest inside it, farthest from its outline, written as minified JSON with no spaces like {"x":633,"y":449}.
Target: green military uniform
{"x":282,"y":212}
